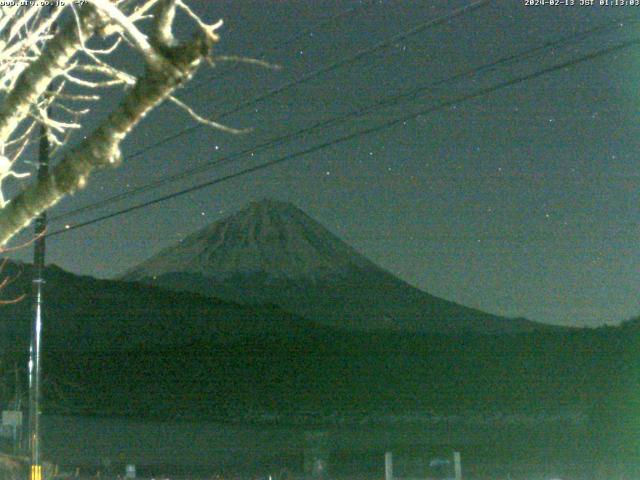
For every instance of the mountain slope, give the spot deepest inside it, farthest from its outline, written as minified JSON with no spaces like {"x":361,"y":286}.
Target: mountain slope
{"x":268,"y":237}
{"x":84,"y":313}
{"x":272,"y":252}
{"x":117,"y":349}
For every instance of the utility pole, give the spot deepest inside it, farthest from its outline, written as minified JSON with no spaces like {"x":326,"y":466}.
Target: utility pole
{"x":18,"y":431}
{"x":35,"y":375}
{"x":35,"y":472}
{"x":457,"y":464}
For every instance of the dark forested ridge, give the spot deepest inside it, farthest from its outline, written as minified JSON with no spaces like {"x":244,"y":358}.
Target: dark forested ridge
{"x":272,"y":252}
{"x":129,"y":350}
{"x":339,"y":371}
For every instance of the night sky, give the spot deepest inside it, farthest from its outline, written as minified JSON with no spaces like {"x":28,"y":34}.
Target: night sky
{"x":522,"y":202}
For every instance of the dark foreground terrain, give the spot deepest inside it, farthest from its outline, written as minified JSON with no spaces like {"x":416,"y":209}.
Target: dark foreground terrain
{"x":544,"y":402}
{"x":188,"y":365}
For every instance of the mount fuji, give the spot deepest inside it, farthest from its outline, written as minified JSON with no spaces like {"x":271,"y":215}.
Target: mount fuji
{"x":271,"y":252}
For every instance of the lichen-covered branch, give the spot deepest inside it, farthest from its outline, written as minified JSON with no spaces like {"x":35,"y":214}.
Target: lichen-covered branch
{"x":102,"y":147}
{"x":38,"y":75}
{"x":38,"y":62}
{"x":128,"y":27}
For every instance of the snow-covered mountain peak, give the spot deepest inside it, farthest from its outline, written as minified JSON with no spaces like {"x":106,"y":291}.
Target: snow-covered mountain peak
{"x":271,"y":252}
{"x":268,"y":237}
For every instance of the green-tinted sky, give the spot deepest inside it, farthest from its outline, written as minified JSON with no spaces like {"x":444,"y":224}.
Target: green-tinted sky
{"x":521,"y":202}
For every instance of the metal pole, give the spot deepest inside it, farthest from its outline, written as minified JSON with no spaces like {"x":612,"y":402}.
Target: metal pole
{"x":35,"y":473}
{"x":457,"y":465}
{"x":388,"y":466}
{"x":17,"y":407}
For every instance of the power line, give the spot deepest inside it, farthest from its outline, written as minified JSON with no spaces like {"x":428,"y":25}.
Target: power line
{"x":289,"y":40}
{"x":367,"y":131}
{"x":326,"y":69}
{"x":261,"y":54}
{"x":405,"y":96}
{"x":361,"y":54}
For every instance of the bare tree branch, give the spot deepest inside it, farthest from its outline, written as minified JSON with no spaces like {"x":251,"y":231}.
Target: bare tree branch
{"x":205,"y":121}
{"x":34,"y":80}
{"x":102,"y":147}
{"x":135,"y":36}
{"x":42,"y":70}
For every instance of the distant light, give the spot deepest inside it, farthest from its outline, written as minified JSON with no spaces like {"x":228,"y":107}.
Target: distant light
{"x":67,"y":226}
